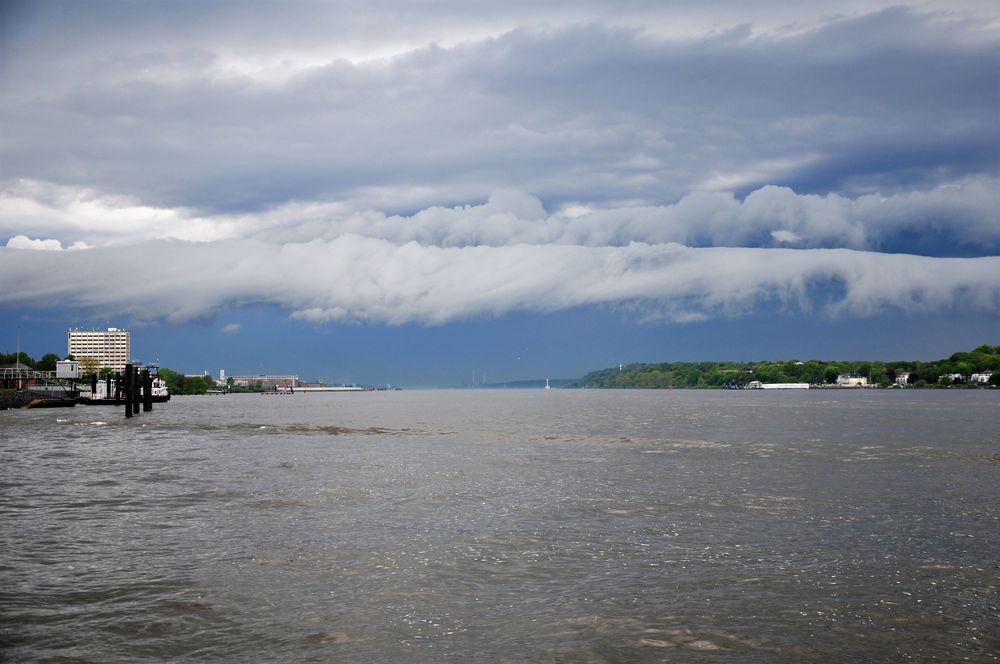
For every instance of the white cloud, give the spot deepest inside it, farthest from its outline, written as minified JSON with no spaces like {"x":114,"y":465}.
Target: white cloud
{"x":959,"y":216}
{"x":231,"y":328}
{"x":785,"y":237}
{"x":24,"y":242}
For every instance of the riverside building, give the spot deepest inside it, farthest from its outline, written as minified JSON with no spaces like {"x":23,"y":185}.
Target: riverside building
{"x":111,"y":348}
{"x":266,"y":381}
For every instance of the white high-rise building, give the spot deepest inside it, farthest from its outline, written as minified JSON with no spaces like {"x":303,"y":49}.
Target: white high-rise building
{"x":111,"y":348}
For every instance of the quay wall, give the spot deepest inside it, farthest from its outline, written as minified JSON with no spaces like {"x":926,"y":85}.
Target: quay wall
{"x":15,"y":399}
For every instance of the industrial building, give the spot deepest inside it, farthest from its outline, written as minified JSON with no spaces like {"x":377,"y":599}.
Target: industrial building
{"x":267,"y":381}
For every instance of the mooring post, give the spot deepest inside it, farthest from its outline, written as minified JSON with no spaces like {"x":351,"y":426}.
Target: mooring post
{"x":118,"y":387}
{"x":135,"y":390}
{"x":128,"y":390}
{"x":107,"y":386}
{"x":93,"y":385}
{"x":147,"y":391}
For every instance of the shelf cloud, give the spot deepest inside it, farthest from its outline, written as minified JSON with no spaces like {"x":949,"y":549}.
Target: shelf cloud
{"x":434,"y":166}
{"x":367,"y":279}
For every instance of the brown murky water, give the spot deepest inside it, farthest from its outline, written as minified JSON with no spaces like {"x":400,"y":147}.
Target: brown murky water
{"x":506,"y":526}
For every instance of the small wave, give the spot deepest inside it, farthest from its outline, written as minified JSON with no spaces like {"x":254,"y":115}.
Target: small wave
{"x":695,"y":444}
{"x":334,"y":430}
{"x":279,"y":503}
{"x":328,"y":429}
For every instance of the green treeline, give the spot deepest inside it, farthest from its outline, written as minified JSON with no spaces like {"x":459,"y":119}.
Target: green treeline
{"x":178,"y":383}
{"x":737,"y":374}
{"x":47,"y":363}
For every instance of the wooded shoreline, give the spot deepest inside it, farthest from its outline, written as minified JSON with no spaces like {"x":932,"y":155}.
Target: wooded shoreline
{"x":956,"y":371}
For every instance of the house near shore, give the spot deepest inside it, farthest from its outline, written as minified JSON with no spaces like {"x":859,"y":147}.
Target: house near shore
{"x":903,"y":379}
{"x":847,"y":380}
{"x":981,"y":378}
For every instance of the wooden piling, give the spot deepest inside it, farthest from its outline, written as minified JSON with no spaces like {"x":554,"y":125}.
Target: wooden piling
{"x":118,"y":387}
{"x":147,"y":391}
{"x":136,"y":394}
{"x":128,"y":390}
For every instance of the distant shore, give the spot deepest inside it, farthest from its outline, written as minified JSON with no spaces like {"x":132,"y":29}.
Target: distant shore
{"x":978,"y":368}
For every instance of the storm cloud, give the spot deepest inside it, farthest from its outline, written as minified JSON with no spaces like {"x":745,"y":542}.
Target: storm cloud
{"x":426,"y":162}
{"x":366,"y":279}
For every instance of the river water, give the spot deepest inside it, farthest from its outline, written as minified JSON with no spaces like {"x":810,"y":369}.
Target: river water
{"x":505,"y":526}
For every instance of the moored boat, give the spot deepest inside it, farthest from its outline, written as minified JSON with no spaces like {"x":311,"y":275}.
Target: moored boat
{"x":105,"y":397}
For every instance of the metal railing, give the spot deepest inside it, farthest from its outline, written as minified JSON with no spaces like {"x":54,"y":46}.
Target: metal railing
{"x":11,"y":373}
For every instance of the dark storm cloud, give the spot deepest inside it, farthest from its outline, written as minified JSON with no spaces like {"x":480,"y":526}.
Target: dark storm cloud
{"x":579,"y":112}
{"x":601,"y":138}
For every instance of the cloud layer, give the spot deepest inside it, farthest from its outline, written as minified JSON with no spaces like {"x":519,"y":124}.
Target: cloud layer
{"x":569,"y":105}
{"x":359,"y":278}
{"x":389,"y":163}
{"x":953,"y":220}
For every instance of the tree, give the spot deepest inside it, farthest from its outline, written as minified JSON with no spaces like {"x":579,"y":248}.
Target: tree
{"x":812,"y":372}
{"x":48,"y":362}
{"x":178,"y":383}
{"x":195,"y":385}
{"x":89,"y":365}
{"x":792,"y":369}
{"x":22,"y":357}
{"x":766,"y":373}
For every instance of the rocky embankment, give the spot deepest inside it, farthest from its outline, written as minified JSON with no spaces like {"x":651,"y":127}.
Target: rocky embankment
{"x":23,"y":398}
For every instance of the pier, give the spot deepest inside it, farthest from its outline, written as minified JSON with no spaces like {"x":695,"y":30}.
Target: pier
{"x":17,"y":377}
{"x":132,"y":388}
{"x":33,"y":389}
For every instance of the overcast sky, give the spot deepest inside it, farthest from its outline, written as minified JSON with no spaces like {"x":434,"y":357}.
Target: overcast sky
{"x":398,"y":191}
